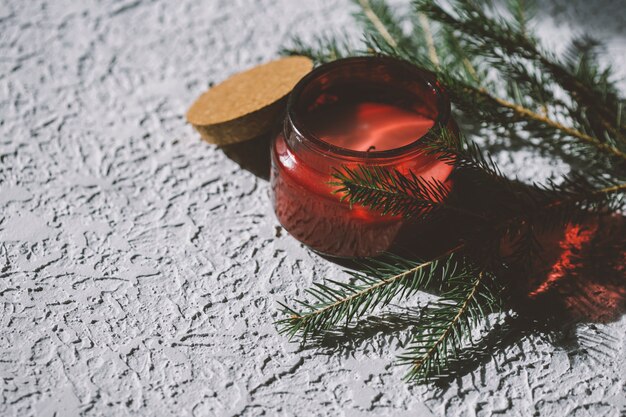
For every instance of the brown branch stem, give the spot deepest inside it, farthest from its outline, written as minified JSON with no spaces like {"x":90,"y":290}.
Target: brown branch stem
{"x":531,"y":115}
{"x":430,"y":42}
{"x":378,"y":24}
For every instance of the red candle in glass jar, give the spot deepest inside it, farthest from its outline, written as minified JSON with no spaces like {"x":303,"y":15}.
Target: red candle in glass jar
{"x":357,"y":111}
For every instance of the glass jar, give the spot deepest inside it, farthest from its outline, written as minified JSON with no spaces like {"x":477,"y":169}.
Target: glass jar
{"x":304,"y":158}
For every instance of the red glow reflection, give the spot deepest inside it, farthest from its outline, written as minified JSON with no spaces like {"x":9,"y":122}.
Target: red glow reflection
{"x":369,"y":126}
{"x":583,"y":272}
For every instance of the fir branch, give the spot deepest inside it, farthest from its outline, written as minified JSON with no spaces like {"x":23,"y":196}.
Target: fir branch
{"x":456,"y":51}
{"x":392,"y":193}
{"x":428,"y":35}
{"x":461,"y":93}
{"x":455,"y":149}
{"x":581,"y":62}
{"x":522,"y":13}
{"x":446,"y":325}
{"x":376,"y":13}
{"x":470,"y":19}
{"x":578,"y":196}
{"x":527,"y":114}
{"x":490,"y":37}
{"x":383,"y":281}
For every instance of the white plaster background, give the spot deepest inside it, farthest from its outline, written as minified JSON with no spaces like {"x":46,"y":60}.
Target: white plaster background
{"x":140,"y":267}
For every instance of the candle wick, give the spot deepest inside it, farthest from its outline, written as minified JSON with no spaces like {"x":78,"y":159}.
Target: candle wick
{"x":371,"y":148}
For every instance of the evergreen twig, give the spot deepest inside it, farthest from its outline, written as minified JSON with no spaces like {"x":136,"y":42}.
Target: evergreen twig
{"x":446,"y":325}
{"x":382,"y":281}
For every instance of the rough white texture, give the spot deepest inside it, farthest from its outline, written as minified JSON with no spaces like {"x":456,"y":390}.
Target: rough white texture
{"x":140,"y":267}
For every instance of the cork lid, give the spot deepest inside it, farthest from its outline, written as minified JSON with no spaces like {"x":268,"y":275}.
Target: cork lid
{"x":247,"y":104}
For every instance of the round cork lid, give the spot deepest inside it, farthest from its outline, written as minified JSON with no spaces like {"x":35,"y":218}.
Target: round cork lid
{"x":247,"y":104}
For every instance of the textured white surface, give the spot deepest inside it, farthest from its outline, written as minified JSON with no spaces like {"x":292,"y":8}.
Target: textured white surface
{"x":140,"y":267}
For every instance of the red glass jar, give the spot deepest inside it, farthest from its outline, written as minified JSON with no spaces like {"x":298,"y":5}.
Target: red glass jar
{"x":357,"y":111}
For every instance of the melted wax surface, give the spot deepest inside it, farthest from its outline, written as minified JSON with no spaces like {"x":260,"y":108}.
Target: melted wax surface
{"x":368,"y":126}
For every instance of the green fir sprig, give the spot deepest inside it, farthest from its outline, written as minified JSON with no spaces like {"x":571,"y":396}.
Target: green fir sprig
{"x":379,"y":282}
{"x":447,"y":324}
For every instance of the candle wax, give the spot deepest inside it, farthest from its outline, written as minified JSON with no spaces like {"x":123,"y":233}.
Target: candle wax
{"x":368,"y":126}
